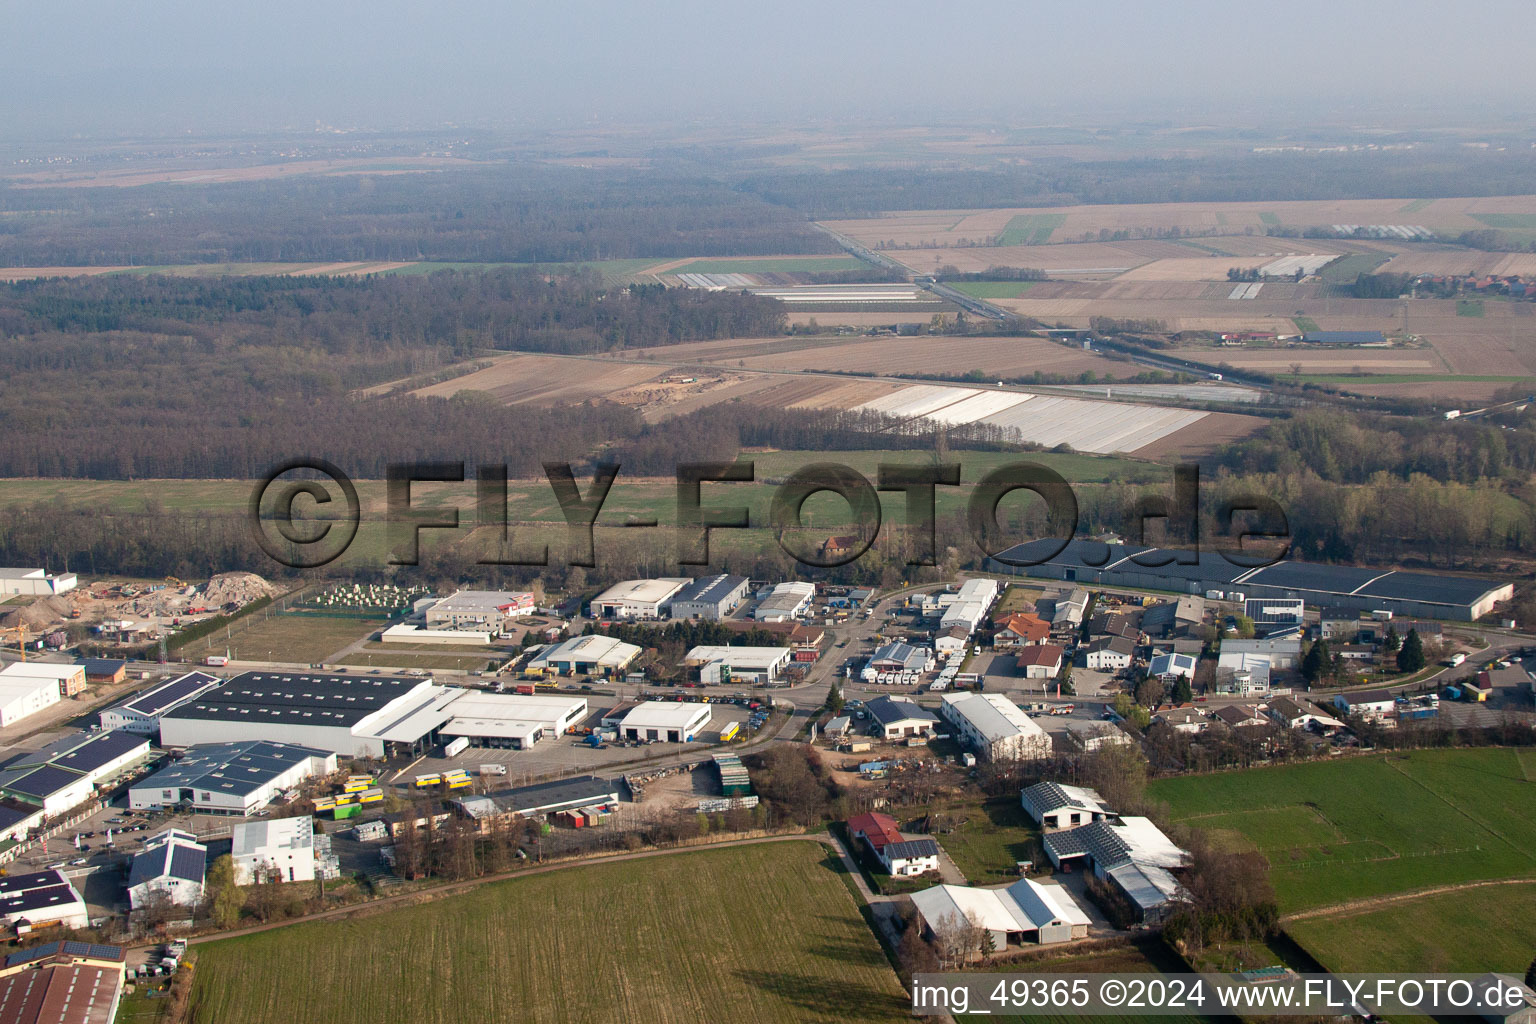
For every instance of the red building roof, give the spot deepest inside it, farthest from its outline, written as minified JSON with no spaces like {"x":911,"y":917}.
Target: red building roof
{"x":878,"y":829}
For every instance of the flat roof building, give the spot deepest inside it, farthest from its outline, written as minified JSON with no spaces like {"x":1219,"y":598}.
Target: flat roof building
{"x":26,"y":582}
{"x":710,"y":598}
{"x":70,"y":679}
{"x":637,"y":599}
{"x":1428,"y":595}
{"x":41,"y":898}
{"x":404,"y":633}
{"x":544,"y":798}
{"x":230,"y":778}
{"x":24,"y":693}
{"x":487,"y":610}
{"x":785,"y":601}
{"x":994,"y":727}
{"x":511,"y":721}
{"x":141,"y":712}
{"x":664,"y":721}
{"x":593,"y":654}
{"x":284,"y":849}
{"x":738,"y":664}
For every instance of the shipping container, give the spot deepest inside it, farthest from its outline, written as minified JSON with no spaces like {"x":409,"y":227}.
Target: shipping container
{"x":730,"y":730}
{"x":455,"y":747}
{"x":424,"y":781}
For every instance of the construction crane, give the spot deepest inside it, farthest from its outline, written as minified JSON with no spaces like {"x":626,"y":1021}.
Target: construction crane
{"x":21,"y":637}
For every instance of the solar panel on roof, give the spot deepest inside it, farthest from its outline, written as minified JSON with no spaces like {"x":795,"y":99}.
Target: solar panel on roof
{"x":44,"y":781}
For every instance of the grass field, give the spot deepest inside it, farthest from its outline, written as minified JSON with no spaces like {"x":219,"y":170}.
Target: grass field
{"x":1304,"y":323}
{"x":1508,"y":221}
{"x":406,"y":660}
{"x":1404,"y":378}
{"x":1345,"y":269}
{"x":992,"y":289}
{"x":1272,"y":219}
{"x":1371,"y":826}
{"x":762,"y":933}
{"x":1031,"y":228}
{"x":1469,"y":307}
{"x":286,"y":636}
{"x":1492,"y":928}
{"x":995,"y":837}
{"x":1148,"y":958}
{"x":1415,"y":206}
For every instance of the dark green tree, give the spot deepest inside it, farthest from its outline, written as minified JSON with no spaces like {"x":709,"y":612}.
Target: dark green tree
{"x":1391,"y":643}
{"x":1411,"y":657}
{"x":1183,"y":693}
{"x":1317,"y":663}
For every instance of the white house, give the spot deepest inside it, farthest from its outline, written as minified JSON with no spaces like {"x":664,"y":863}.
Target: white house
{"x":1109,"y":653}
{"x":994,"y":727}
{"x":909,"y":857}
{"x":1170,"y":667}
{"x":1368,"y":703}
{"x":172,"y":863}
{"x":1039,"y":661}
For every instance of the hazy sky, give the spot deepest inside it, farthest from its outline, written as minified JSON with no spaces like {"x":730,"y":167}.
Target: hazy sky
{"x":119,"y":67}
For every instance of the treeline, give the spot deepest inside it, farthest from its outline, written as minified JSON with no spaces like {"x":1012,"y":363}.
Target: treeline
{"x":522,"y":214}
{"x":166,"y":377}
{"x":1382,"y":286}
{"x":949,"y":272}
{"x":1426,"y":171}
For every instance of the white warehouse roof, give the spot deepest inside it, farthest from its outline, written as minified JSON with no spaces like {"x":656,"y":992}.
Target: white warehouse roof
{"x":596,"y":649}
{"x":666,"y":714}
{"x":642,"y":591}
{"x":992,"y":715}
{"x":738,"y":657}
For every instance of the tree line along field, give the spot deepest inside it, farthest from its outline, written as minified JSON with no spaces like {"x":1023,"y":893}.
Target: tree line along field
{"x":1371,"y":826}
{"x":760,"y":934}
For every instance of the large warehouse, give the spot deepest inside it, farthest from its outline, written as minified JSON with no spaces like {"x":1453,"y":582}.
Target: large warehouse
{"x":41,"y":898}
{"x":1432,"y":596}
{"x":785,"y":602}
{"x":994,"y":727}
{"x":65,"y":773}
{"x":664,"y":721}
{"x":591,"y":655}
{"x":23,"y":694}
{"x":488,"y":610}
{"x":738,"y":664}
{"x":230,"y":778}
{"x":70,"y":679}
{"x":638,"y":599}
{"x":711,"y":598}
{"x":141,"y":712}
{"x":364,"y":716}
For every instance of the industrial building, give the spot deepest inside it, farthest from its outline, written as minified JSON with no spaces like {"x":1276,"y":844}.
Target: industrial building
{"x":711,"y":598}
{"x":173,"y":864}
{"x":1269,"y":613}
{"x":898,"y":657}
{"x":141,"y":712}
{"x":1025,"y":912}
{"x":358,"y":716}
{"x":65,"y":773}
{"x":23,"y":694}
{"x":41,"y":898}
{"x":510,"y":721}
{"x":594,"y":654}
{"x":994,"y":727}
{"x":62,"y":983}
{"x":637,"y":599}
{"x":70,"y":679}
{"x":1053,"y":805}
{"x":1169,"y":667}
{"x":756,"y":665}
{"x":664,"y":721}
{"x":16,"y":582}
{"x":785,"y":601}
{"x":544,"y":798}
{"x":104,"y":670}
{"x":230,"y":778}
{"x":285,"y":849}
{"x":1131,"y":852}
{"x":488,"y":610}
{"x":895,"y":718}
{"x":1435,"y":596}
{"x":18,"y":819}
{"x":404,"y":633}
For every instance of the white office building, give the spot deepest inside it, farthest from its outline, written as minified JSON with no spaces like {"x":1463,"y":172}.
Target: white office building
{"x":23,"y":694}
{"x":25,"y":582}
{"x":141,"y":712}
{"x":664,"y":721}
{"x":282,"y":848}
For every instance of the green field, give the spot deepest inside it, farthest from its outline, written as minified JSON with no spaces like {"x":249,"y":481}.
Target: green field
{"x":285,"y":636}
{"x":1491,"y":928}
{"x":994,"y":838}
{"x":1369,"y":826}
{"x":763,"y":933}
{"x":1345,"y":269}
{"x":787,"y":265}
{"x":1404,"y":378}
{"x":1304,"y":323}
{"x":1031,"y":228}
{"x":1415,"y":206}
{"x":1507,"y":221}
{"x":1469,"y":307}
{"x":1270,"y":218}
{"x":992,"y":289}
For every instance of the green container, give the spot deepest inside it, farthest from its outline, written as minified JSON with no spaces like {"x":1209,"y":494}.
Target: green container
{"x":347,"y":811}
